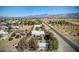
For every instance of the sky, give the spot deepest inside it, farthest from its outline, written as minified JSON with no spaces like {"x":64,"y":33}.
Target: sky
{"x":17,"y":11}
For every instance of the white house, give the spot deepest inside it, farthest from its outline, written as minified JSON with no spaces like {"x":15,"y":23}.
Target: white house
{"x":37,"y":33}
{"x":42,"y":45}
{"x":38,"y":25}
{"x":3,"y":32}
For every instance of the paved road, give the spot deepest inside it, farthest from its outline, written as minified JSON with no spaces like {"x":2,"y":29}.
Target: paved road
{"x":67,"y":44}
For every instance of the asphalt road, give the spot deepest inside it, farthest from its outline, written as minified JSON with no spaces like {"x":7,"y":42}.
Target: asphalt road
{"x":74,"y":46}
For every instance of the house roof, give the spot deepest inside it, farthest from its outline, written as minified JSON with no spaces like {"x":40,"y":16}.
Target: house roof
{"x":19,"y":31}
{"x":3,"y":32}
{"x":42,"y":45}
{"x":37,"y":32}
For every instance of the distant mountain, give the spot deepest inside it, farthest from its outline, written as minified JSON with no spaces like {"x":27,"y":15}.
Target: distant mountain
{"x":73,"y":14}
{"x":68,"y":15}
{"x":45,"y":15}
{"x":54,"y":15}
{"x":41,"y":15}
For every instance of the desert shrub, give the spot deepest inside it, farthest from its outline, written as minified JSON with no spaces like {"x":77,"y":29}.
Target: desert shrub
{"x":77,"y":34}
{"x":10,"y":39}
{"x":17,"y":36}
{"x":37,"y":28}
{"x":33,"y":44}
{"x":13,"y":35}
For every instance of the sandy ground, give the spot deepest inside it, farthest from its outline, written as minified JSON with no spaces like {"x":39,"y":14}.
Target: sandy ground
{"x":8,"y":44}
{"x":69,"y":33}
{"x":26,"y":27}
{"x":74,"y":22}
{"x":63,"y":46}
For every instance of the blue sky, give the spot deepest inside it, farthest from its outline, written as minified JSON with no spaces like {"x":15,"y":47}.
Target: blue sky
{"x":15,"y":11}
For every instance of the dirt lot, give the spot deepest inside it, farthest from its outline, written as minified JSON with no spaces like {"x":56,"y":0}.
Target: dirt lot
{"x":8,"y":44}
{"x":26,"y":27}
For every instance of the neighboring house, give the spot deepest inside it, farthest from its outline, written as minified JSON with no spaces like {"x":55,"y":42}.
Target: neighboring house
{"x":3,"y":23}
{"x":3,"y":27}
{"x":4,"y":35}
{"x":23,"y":32}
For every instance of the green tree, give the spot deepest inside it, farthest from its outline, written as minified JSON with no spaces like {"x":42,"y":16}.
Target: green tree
{"x":0,"y":36}
{"x":53,"y":44}
{"x":9,"y":28}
